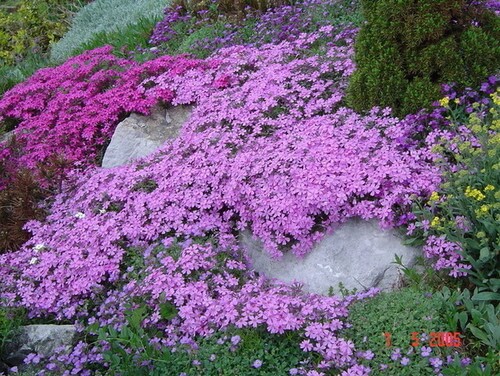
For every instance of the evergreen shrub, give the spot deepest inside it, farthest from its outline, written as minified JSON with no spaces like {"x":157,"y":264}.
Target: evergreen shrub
{"x":407,"y":48}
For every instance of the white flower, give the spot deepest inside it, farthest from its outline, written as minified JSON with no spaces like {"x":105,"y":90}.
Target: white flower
{"x":102,"y":211}
{"x":80,"y":215}
{"x":33,"y":260}
{"x":38,"y":247}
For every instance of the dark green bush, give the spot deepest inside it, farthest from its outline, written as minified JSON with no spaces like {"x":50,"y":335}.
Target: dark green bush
{"x":407,"y":48}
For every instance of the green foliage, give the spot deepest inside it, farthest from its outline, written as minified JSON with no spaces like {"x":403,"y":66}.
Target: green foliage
{"x":185,"y":42}
{"x":10,"y":319}
{"x":131,"y":347}
{"x":30,"y":27}
{"x":101,"y":17}
{"x":475,"y":317}
{"x":421,"y":275}
{"x":27,"y":30}
{"x":407,"y":49}
{"x":481,"y":366}
{"x":11,"y":75}
{"x":146,"y":185}
{"x":337,"y":13}
{"x":230,"y":6}
{"x":125,"y":41}
{"x":466,"y":210}
{"x":387,"y":322}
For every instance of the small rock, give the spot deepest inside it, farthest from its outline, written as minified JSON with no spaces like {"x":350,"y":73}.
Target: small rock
{"x":358,"y":254}
{"x":6,"y":137}
{"x":138,"y":135}
{"x":44,"y":339}
{"x":16,"y":359}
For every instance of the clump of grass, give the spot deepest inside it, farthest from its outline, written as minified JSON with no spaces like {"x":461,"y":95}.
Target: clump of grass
{"x":103,"y":16}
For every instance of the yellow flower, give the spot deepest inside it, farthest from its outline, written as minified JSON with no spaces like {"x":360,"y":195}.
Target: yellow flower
{"x":496,"y":97}
{"x":444,"y":101}
{"x":457,"y":101}
{"x":476,"y":128}
{"x":434,"y":197}
{"x":474,"y":193}
{"x":482,"y":211}
{"x":480,"y":235}
{"x":489,"y":187}
{"x":495,"y":125}
{"x":435,"y":222}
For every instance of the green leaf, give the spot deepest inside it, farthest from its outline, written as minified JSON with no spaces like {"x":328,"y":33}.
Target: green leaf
{"x":136,"y":316}
{"x":486,"y":296}
{"x":478,"y":333}
{"x":463,"y":318}
{"x":168,"y":311}
{"x":484,"y":254}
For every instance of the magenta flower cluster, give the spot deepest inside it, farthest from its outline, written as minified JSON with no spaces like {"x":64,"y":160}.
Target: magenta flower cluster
{"x":71,"y":111}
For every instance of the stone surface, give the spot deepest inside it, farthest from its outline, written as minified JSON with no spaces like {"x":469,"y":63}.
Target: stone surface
{"x":6,"y":137}
{"x":41,"y":339}
{"x":138,"y":135}
{"x":358,"y":254}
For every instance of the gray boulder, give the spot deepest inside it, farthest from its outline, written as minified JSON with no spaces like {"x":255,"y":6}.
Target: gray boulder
{"x":40,"y":339}
{"x":6,"y":137}
{"x":358,"y":254}
{"x":138,"y":135}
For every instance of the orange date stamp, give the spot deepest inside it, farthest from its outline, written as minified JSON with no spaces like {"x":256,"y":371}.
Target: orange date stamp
{"x":436,"y":339}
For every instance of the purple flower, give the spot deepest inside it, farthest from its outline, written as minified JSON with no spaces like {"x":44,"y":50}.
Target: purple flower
{"x":436,"y":362}
{"x":465,"y":361}
{"x":396,"y":354}
{"x":257,"y":363}
{"x":425,"y":351}
{"x":235,"y":339}
{"x":405,"y":361}
{"x":368,"y":355}
{"x":293,"y":371}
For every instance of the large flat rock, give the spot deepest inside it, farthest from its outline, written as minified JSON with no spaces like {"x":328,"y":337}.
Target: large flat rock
{"x":358,"y":254}
{"x":138,"y":135}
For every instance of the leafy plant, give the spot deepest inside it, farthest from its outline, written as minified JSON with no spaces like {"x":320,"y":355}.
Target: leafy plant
{"x":397,"y":325}
{"x":406,"y":49}
{"x":134,"y":350}
{"x":460,"y":221}
{"x":125,"y":40}
{"x":474,"y":315}
{"x":32,"y":27}
{"x":10,"y":320}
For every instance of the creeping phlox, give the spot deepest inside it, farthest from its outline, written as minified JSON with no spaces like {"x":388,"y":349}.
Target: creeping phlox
{"x":268,"y":147}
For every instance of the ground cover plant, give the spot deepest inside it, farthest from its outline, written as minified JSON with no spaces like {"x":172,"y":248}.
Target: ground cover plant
{"x":203,"y":31}
{"x":145,"y":257}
